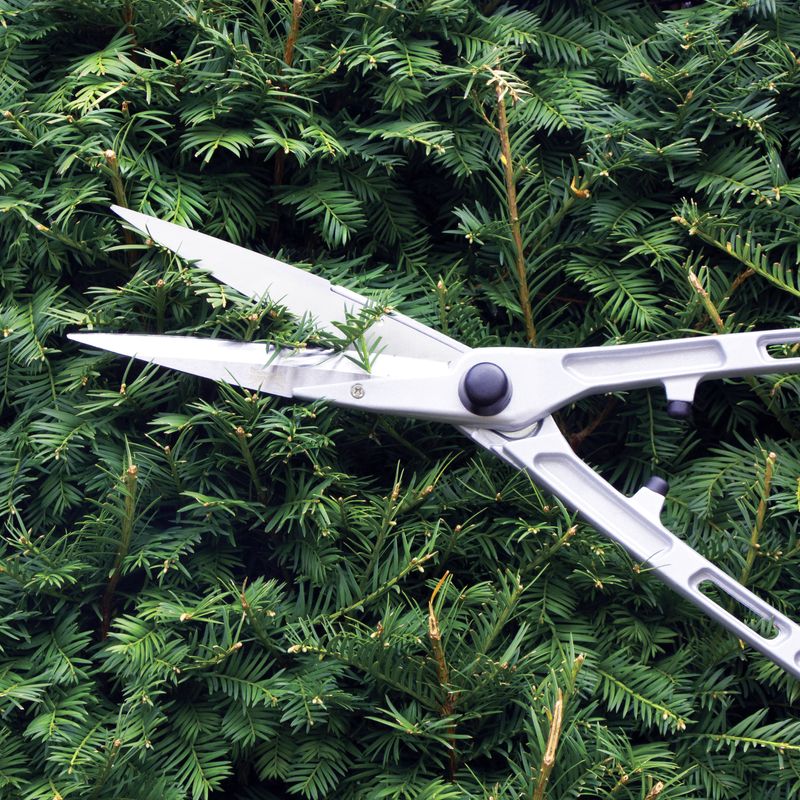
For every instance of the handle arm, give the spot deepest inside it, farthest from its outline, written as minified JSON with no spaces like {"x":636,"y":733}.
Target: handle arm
{"x":679,"y":364}
{"x":543,"y":380}
{"x":634,"y":523}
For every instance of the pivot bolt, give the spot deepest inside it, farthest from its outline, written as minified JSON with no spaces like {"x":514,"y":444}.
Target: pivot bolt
{"x":485,"y":389}
{"x":357,"y":391}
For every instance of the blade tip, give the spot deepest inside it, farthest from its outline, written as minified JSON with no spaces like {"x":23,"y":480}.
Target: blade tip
{"x":135,"y":218}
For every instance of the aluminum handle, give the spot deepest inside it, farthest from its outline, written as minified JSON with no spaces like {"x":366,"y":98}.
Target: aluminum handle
{"x":634,"y":523}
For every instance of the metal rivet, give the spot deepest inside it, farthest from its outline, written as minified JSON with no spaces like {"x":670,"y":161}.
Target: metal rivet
{"x":357,"y":390}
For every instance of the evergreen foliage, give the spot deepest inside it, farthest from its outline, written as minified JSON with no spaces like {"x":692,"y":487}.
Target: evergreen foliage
{"x":206,"y":593}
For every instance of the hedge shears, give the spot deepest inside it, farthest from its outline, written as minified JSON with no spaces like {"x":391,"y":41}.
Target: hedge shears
{"x":500,"y":397}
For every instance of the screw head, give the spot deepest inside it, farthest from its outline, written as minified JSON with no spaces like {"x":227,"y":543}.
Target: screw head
{"x":357,"y":391}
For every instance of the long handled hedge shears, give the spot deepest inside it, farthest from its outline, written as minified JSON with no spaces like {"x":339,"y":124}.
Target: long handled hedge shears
{"x":501,"y":397}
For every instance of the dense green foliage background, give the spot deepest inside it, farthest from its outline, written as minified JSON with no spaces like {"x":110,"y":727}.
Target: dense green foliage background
{"x":206,"y":593}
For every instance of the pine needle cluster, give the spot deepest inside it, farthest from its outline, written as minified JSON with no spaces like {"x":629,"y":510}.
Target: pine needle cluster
{"x":207,"y":593}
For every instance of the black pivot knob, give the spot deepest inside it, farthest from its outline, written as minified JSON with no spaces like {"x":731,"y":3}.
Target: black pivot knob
{"x":658,"y":485}
{"x":679,"y":409}
{"x":485,"y":389}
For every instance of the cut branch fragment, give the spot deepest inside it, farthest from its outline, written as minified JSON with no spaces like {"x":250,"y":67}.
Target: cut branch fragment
{"x":549,"y":758}
{"x":655,"y":791}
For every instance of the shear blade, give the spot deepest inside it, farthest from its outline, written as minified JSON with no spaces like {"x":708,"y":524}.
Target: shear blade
{"x":257,"y":276}
{"x":246,"y":364}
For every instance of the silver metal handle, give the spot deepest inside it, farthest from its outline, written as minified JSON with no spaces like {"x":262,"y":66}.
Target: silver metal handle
{"x":543,"y":380}
{"x":679,"y":364}
{"x":634,"y":523}
{"x":550,"y":379}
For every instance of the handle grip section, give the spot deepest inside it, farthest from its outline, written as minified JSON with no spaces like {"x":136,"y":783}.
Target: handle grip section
{"x":634,"y":524}
{"x":680,"y":364}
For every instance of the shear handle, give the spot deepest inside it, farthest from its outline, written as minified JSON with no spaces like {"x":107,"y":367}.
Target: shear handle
{"x":543,"y":380}
{"x":634,"y":523}
{"x":678,"y":364}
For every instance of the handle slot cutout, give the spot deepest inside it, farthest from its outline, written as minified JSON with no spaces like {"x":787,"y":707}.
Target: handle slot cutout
{"x":763,"y":626}
{"x":780,"y":350}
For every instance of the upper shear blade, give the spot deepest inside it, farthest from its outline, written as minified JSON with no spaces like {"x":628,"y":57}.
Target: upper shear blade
{"x":257,"y":276}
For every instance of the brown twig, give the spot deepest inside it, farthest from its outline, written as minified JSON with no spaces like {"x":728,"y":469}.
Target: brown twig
{"x":288,"y":57}
{"x":549,"y":758}
{"x":761,"y":512}
{"x":129,"y":481}
{"x":128,"y":13}
{"x":577,"y":439}
{"x":443,"y":672}
{"x":513,"y":214}
{"x":708,"y":304}
{"x":736,"y":283}
{"x":294,"y":27}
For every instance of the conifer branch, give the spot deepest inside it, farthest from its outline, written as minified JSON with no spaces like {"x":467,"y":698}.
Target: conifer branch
{"x":111,"y":757}
{"x":116,"y":183}
{"x":548,"y":552}
{"x":21,"y":127}
{"x":294,"y":27}
{"x":708,"y":304}
{"x":513,"y":214}
{"x":255,"y":621}
{"x":741,"y":254}
{"x":211,"y":684}
{"x":118,"y":187}
{"x":750,"y":741}
{"x":387,"y":523}
{"x":386,"y":425}
{"x":415,"y":564}
{"x":242,"y":436}
{"x":578,"y":190}
{"x":751,"y":380}
{"x":735,"y":284}
{"x":443,"y":672}
{"x":660,"y":709}
{"x":288,"y":59}
{"x":129,"y":480}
